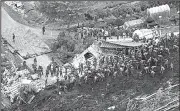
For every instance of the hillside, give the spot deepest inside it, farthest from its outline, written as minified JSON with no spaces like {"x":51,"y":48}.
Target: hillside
{"x":120,"y":93}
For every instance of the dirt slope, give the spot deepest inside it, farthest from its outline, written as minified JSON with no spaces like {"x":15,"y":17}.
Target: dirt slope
{"x":28,"y":40}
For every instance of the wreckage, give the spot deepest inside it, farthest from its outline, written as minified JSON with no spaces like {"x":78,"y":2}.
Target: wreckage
{"x":20,"y":86}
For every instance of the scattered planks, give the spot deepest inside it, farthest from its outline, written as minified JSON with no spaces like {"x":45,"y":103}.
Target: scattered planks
{"x":31,"y":99}
{"x":169,"y":106}
{"x":151,"y":96}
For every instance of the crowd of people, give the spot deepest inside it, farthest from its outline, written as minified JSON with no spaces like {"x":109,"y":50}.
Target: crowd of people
{"x":104,"y":32}
{"x":151,"y":58}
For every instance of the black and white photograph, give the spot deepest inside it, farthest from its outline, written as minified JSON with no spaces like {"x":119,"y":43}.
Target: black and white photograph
{"x":90,"y":55}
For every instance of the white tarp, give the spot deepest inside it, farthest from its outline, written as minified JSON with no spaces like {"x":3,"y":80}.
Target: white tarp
{"x":25,"y":81}
{"x":78,"y":59}
{"x":34,"y":76}
{"x":133,"y":23}
{"x":38,"y":84}
{"x":52,"y":80}
{"x":147,"y":33}
{"x":22,"y":72}
{"x":155,"y":12}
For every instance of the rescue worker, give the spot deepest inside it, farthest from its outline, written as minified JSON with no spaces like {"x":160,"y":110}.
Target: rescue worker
{"x":24,"y":66}
{"x":40,"y":71}
{"x":16,"y":5}
{"x":34,"y":66}
{"x":35,"y":60}
{"x":43,"y":30}
{"x":46,"y":82}
{"x":13,"y":37}
{"x":47,"y":71}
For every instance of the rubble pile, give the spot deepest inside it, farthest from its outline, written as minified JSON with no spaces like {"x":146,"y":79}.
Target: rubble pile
{"x":13,"y":82}
{"x":39,"y":84}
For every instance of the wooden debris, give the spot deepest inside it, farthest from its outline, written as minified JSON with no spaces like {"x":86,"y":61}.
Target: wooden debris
{"x":162,"y":108}
{"x":31,"y":99}
{"x":22,"y":99}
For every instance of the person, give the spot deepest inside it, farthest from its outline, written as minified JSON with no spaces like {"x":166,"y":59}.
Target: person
{"x":105,"y":38}
{"x":124,"y":35}
{"x":51,"y":69}
{"x":13,"y":37}
{"x":40,"y":71}
{"x":46,"y":82}
{"x":60,"y":71}
{"x":35,"y":60}
{"x":81,"y":34}
{"x":127,"y":32}
{"x":34,"y":66}
{"x":57,"y":70}
{"x":43,"y":29}
{"x":144,"y":39}
{"x":16,"y":5}
{"x":52,"y":59}
{"x":47,"y":71}
{"x":24,"y":65}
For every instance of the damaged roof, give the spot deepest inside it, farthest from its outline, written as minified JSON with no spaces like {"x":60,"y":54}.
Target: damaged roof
{"x":126,"y":44}
{"x":109,"y":45}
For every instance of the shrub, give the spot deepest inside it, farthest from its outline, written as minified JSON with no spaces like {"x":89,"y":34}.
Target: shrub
{"x":115,"y":13}
{"x":54,"y":47}
{"x":65,"y":56}
{"x":144,"y":5}
{"x":108,"y":12}
{"x":120,"y":11}
{"x":136,"y":9}
{"x":66,"y":46}
{"x":128,"y":10}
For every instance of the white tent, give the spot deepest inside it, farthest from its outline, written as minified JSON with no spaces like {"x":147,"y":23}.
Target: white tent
{"x":133,"y":23}
{"x":155,"y":12}
{"x":147,"y":33}
{"x":94,"y":49}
